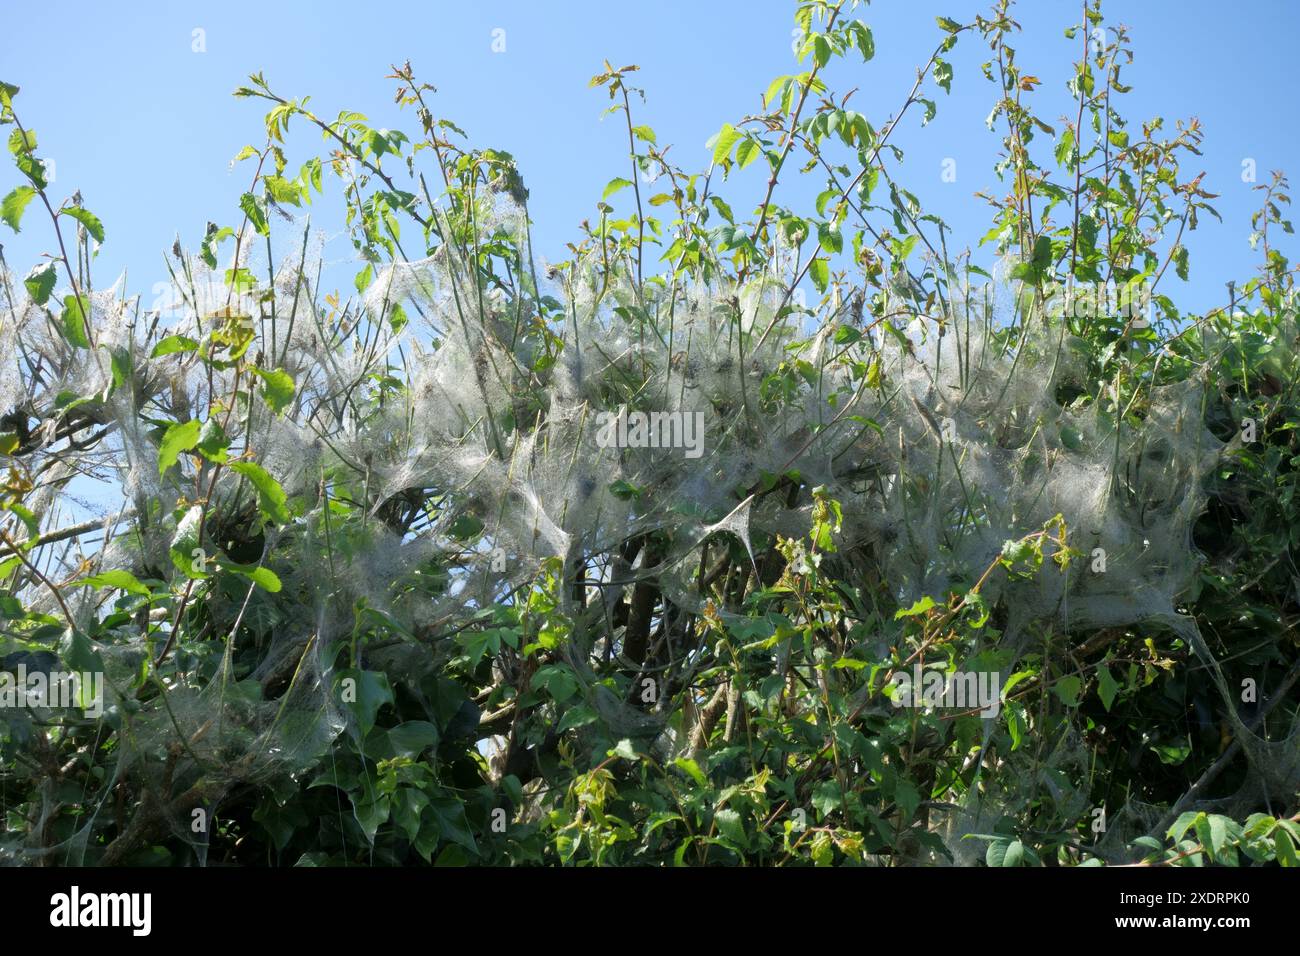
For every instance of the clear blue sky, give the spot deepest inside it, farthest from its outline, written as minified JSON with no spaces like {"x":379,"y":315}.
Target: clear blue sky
{"x":145,"y":127}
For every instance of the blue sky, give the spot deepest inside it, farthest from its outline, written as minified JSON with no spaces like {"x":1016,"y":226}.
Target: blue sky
{"x":145,"y":127}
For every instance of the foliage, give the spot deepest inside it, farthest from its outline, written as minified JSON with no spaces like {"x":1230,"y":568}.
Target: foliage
{"x":365,"y":605}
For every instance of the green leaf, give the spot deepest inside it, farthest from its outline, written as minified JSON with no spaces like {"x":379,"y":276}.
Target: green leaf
{"x":1173,"y":754}
{"x":614,"y":186}
{"x":1285,"y":847}
{"x":907,"y":797}
{"x":466,"y":527}
{"x":363,"y":693}
{"x":821,"y":50}
{"x":731,"y":827}
{"x":943,"y":75}
{"x":722,"y":144}
{"x":88,"y":219}
{"x":277,"y":388}
{"x":450,"y":813}
{"x":947,"y":24}
{"x":11,"y":209}
{"x":577,"y":716}
{"x":371,"y":812}
{"x":1107,"y":687}
{"x":377,"y":142}
{"x":774,"y":90}
{"x":32,"y":168}
{"x":1180,"y":261}
{"x":412,"y":737}
{"x":79,"y":654}
{"x":263,"y":577}
{"x":213,"y":442}
{"x":397,"y":317}
{"x":27,"y":517}
{"x":1067,"y":688}
{"x":270,"y":495}
{"x":920,"y":607}
{"x":40,"y":282}
{"x":253,"y":210}
{"x":829,"y":238}
{"x":1064,"y":147}
{"x":625,"y":750}
{"x":820,"y":271}
{"x":868,"y":185}
{"x":1258,"y":825}
{"x":74,"y":321}
{"x":692,"y":769}
{"x":283,"y":191}
{"x":213,"y":238}
{"x":361,"y":281}
{"x":866,"y":43}
{"x":173,"y":344}
{"x":120,"y":363}
{"x":1014,"y":855}
{"x":557,"y":680}
{"x":1016,"y":724}
{"x":996,"y":854}
{"x":185,"y":544}
{"x":180,"y":436}
{"x":122,"y":580}
{"x":478,"y":643}
{"x":978,"y":609}
{"x":624,"y":490}
{"x":1212,"y":831}
{"x":1016,"y":550}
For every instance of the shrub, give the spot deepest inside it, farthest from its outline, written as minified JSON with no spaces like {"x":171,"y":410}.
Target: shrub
{"x":647,"y":556}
